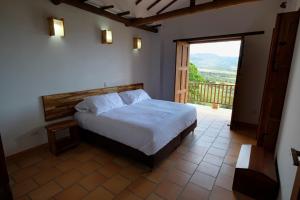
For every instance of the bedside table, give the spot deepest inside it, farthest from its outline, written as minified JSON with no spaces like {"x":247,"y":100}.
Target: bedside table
{"x":58,"y":144}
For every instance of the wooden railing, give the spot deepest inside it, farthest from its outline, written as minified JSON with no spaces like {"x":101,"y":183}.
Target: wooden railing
{"x":200,"y":93}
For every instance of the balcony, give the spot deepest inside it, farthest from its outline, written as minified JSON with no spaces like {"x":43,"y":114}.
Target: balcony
{"x":211,"y":94}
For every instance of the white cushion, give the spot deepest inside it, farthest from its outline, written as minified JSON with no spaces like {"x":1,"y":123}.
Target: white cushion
{"x":134,"y":96}
{"x":82,"y":106}
{"x":100,"y":104}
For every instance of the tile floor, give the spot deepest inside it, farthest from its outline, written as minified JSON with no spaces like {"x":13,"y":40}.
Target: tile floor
{"x":201,"y":168}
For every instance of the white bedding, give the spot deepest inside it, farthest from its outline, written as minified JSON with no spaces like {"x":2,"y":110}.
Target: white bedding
{"x":147,"y":126}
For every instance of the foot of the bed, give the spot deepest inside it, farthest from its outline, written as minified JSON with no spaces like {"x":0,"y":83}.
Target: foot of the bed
{"x":150,"y":161}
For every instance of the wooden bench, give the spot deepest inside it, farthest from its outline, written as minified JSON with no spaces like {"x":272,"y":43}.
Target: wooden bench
{"x":255,"y":173}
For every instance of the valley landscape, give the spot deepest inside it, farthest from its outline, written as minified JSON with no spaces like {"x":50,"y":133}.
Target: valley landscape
{"x":214,"y":68}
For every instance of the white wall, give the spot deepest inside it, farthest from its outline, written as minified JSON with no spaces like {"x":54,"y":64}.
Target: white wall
{"x":289,"y":134}
{"x":255,"y":16}
{"x":293,"y":5}
{"x":34,"y":64}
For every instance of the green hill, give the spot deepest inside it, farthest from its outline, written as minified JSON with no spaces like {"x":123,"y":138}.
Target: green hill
{"x":213,"y":62}
{"x":215,"y":68}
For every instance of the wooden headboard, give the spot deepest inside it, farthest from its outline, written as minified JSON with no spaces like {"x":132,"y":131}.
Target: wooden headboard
{"x":58,"y":106}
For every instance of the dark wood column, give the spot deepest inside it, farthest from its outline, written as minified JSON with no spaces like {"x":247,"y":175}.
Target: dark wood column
{"x":5,"y":191}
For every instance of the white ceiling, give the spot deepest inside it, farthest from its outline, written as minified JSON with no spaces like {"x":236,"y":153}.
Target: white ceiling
{"x":140,"y":10}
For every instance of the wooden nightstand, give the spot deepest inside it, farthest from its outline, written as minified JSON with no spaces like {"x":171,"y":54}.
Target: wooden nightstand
{"x":69,"y":127}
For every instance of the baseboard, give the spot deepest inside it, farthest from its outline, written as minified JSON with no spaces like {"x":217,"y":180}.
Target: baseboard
{"x":234,"y":125}
{"x":242,"y":125}
{"x":21,"y":153}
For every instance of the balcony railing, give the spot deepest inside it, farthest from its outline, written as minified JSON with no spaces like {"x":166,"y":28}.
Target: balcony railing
{"x":201,"y":93}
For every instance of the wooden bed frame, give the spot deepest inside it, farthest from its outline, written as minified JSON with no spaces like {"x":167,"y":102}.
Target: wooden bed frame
{"x":59,"y":106}
{"x":135,"y":154}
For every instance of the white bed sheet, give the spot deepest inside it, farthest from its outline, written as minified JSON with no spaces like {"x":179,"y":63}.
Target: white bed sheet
{"x":147,"y":126}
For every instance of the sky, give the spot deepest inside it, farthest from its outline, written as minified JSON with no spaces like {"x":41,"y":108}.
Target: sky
{"x":227,"y":48}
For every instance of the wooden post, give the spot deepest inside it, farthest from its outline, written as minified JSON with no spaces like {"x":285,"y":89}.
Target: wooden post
{"x":192,"y":3}
{"x":296,"y":189}
{"x":201,"y":96}
{"x":56,"y":2}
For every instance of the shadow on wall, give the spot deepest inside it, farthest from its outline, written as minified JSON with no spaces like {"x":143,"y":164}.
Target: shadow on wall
{"x":32,"y":136}
{"x":24,"y":119}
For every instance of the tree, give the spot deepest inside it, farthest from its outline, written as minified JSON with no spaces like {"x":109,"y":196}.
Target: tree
{"x":194,"y":74}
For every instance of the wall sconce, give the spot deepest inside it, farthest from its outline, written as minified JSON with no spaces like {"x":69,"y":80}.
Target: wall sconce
{"x":56,"y":27}
{"x":107,"y":37}
{"x":137,"y":43}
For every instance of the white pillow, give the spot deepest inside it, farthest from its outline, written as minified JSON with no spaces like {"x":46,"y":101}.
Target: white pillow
{"x":100,"y":104}
{"x":134,"y":96}
{"x":82,"y":106}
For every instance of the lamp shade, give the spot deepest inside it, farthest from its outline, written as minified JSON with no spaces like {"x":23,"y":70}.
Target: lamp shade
{"x":137,"y":43}
{"x":56,"y":27}
{"x":107,"y":37}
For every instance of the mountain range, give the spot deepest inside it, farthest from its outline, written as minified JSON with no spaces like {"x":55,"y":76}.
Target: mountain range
{"x":213,"y":62}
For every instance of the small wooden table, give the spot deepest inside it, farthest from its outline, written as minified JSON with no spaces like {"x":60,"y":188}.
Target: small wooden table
{"x":57,"y":145}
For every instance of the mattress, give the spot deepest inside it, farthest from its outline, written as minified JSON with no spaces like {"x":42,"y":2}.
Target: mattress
{"x":146,"y":126}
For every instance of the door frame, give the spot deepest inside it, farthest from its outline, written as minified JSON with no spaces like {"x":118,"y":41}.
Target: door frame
{"x":223,"y":38}
{"x":266,"y":137}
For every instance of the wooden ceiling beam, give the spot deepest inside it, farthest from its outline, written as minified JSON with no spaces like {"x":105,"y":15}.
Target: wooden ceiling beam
{"x":87,"y":7}
{"x":188,"y":10}
{"x":148,"y":28}
{"x":93,"y":9}
{"x":165,"y":7}
{"x":138,"y":1}
{"x":123,"y":13}
{"x":153,"y":4}
{"x":106,"y":7}
{"x":156,"y":26}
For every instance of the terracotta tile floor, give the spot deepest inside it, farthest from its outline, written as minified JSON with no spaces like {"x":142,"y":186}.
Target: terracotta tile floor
{"x":201,"y":168}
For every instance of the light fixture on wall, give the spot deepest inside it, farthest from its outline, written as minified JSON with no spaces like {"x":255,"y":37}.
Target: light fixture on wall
{"x":56,"y":27}
{"x":137,"y":43}
{"x":106,"y":37}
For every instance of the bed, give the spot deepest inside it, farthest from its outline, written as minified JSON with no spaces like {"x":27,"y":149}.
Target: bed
{"x":147,"y":131}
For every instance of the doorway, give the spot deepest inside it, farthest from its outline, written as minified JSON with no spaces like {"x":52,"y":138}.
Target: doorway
{"x":207,"y":71}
